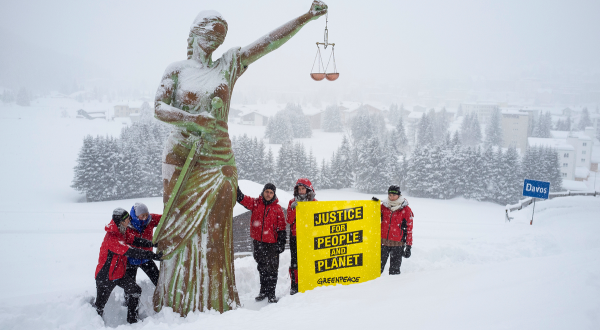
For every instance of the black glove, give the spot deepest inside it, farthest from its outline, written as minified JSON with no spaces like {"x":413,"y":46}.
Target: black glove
{"x":240,"y":196}
{"x":375,"y":199}
{"x":281,"y":239}
{"x":141,"y":242}
{"x":157,"y":256}
{"x":407,"y":252}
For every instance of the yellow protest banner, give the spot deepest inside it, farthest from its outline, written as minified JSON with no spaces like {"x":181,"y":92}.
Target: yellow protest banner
{"x":338,"y":242}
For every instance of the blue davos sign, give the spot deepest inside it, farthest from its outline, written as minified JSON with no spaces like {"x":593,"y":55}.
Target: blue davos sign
{"x":537,"y":189}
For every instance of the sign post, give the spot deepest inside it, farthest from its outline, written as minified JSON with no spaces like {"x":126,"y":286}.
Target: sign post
{"x":338,"y":242}
{"x":535,"y":189}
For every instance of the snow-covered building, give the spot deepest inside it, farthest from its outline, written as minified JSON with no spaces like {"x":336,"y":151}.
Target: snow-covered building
{"x":123,"y":110}
{"x":482,"y":110}
{"x":515,"y":125}
{"x":254,"y":119}
{"x":574,"y":150}
{"x":566,"y":154}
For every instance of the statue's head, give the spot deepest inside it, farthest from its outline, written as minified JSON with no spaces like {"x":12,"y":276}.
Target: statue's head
{"x":207,"y":32}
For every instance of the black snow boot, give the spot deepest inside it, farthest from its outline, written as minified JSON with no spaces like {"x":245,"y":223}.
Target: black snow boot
{"x":261,"y":296}
{"x":263,"y":285}
{"x":294,"y":284}
{"x":132,"y":312}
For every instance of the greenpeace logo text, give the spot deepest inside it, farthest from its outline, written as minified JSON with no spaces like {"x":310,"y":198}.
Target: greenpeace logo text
{"x":339,"y":279}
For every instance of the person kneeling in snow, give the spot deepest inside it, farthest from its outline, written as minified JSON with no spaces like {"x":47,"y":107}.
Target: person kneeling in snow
{"x":267,"y":229}
{"x":396,"y":229}
{"x":110,"y":272}
{"x":142,"y":225}
{"x":303,"y":192}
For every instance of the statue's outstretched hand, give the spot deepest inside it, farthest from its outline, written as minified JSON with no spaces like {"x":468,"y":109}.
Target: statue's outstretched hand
{"x":317,"y":9}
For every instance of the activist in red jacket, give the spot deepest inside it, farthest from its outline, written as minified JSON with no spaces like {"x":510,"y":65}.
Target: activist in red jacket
{"x":142,"y":225}
{"x":267,"y":229}
{"x":267,"y":217}
{"x":110,"y":271}
{"x":303,"y":192}
{"x":396,"y":230}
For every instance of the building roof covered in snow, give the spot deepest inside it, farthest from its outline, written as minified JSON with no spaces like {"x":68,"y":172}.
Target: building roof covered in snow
{"x":416,"y":115}
{"x":549,"y":142}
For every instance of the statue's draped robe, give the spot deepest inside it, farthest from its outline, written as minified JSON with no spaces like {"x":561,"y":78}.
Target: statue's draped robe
{"x":197,"y":273}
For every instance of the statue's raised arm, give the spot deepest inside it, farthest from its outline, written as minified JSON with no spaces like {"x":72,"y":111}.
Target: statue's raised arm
{"x":281,"y":35}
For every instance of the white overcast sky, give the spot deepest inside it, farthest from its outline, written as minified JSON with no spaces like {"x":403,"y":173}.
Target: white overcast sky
{"x":376,"y":41}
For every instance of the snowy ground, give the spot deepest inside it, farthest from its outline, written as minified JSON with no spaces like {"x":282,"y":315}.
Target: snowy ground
{"x":469,"y":269}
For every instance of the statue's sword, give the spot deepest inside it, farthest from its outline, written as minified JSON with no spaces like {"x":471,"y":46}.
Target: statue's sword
{"x":183,"y":176}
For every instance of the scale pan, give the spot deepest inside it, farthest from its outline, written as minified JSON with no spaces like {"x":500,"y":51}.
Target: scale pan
{"x":332,"y":76}
{"x":317,"y":76}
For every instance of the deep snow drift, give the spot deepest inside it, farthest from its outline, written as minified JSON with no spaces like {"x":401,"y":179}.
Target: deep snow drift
{"x":469,"y":268}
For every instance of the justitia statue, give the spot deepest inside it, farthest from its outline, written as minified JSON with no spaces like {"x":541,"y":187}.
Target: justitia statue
{"x":199,"y":173}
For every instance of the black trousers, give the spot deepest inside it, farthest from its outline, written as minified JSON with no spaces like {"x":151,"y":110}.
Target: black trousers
{"x":395,"y":253}
{"x":104,"y":287}
{"x":267,"y":257}
{"x":294,"y":263}
{"x":148,"y":267}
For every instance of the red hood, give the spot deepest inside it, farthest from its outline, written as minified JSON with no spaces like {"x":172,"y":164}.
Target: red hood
{"x":305,"y":182}
{"x":112,"y":228}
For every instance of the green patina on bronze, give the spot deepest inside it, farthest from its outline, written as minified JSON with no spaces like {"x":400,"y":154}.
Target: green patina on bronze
{"x":199,"y":172}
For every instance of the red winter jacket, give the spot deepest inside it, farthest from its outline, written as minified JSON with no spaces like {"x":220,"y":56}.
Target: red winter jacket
{"x":391,"y":223}
{"x":291,"y":214}
{"x":148,"y":231}
{"x":266,"y":220}
{"x":113,"y":248}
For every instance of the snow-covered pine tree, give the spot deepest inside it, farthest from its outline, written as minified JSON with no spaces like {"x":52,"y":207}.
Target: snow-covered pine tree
{"x":279,"y":129}
{"x":493,"y":130}
{"x":286,"y":173}
{"x":394,"y":114}
{"x":435,"y":184}
{"x":417,"y":168}
{"x":334,"y":171}
{"x":584,"y":120}
{"x":439,"y":125}
{"x":312,"y":171}
{"x":470,"y":130}
{"x":83,"y":169}
{"x":425,"y":131}
{"x":392,"y":165}
{"x":400,"y":141}
{"x":332,"y":119}
{"x":457,"y":159}
{"x":509,"y":182}
{"x":258,"y":168}
{"x":299,"y":122}
{"x":361,"y":128}
{"x":479,"y":187}
{"x":371,"y":168}
{"x":552,"y":163}
{"x":345,"y":164}
{"x":324,"y":176}
{"x":269,"y":168}
{"x":489,"y":172}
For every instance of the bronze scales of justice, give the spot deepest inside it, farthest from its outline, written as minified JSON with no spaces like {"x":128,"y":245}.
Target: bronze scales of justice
{"x":318,"y":76}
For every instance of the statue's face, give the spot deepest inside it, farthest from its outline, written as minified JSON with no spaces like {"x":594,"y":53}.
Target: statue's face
{"x":209,"y":35}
